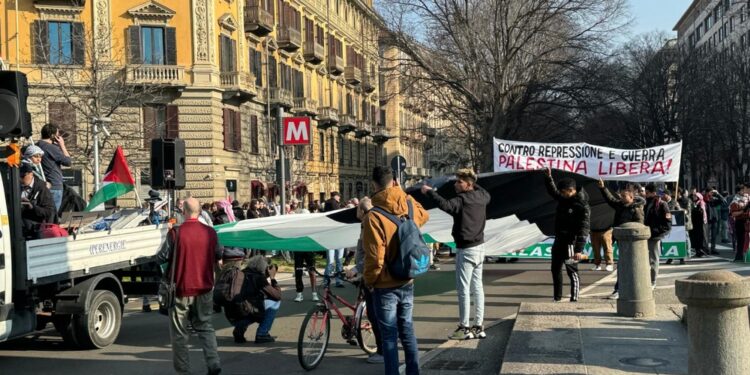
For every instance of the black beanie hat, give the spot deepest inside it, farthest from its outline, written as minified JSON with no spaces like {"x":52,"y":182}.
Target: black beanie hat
{"x":566,"y":183}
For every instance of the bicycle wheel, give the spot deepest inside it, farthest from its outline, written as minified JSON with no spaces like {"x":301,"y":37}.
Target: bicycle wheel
{"x":363,"y":329}
{"x":313,"y":337}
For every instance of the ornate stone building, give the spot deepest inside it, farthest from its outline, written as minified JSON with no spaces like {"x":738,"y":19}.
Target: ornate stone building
{"x":212,"y":72}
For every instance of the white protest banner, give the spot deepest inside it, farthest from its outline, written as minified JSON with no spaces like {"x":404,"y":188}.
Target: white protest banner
{"x":656,"y":164}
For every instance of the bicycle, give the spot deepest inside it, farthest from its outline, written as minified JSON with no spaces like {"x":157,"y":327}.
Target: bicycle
{"x":316,"y":328}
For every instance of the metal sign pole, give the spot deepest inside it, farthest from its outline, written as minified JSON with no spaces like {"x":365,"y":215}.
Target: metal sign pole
{"x":282,"y":159}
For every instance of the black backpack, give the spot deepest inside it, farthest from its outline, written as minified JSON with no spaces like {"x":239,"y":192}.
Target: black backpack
{"x":413,"y":258}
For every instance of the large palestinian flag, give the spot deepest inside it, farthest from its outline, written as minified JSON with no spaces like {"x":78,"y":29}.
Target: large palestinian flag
{"x":117,"y":181}
{"x":520,"y":214}
{"x":340,"y":229}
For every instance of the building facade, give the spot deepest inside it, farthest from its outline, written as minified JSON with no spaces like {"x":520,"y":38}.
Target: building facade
{"x":717,"y":24}
{"x":215,"y":73}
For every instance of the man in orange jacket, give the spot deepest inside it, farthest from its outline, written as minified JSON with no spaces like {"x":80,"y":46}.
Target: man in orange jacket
{"x":394,"y":298}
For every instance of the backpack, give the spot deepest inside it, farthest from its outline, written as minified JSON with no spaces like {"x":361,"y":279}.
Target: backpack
{"x":238,"y":293}
{"x":228,"y":288}
{"x":413,"y":258}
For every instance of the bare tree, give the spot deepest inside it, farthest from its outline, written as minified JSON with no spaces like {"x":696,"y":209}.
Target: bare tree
{"x":96,"y":81}
{"x":502,"y":67}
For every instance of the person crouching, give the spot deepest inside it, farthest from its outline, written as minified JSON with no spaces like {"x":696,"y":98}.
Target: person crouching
{"x":263,"y":293}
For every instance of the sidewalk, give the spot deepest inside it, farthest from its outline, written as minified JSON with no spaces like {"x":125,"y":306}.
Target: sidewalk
{"x":589,"y":338}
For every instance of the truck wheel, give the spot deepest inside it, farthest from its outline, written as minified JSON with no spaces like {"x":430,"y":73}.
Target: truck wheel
{"x":100,"y":326}
{"x":64,"y":327}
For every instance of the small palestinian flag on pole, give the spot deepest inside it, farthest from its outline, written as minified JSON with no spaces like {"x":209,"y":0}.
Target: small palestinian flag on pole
{"x":117,"y":181}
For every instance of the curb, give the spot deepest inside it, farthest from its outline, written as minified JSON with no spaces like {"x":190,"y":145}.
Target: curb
{"x":450,"y":344}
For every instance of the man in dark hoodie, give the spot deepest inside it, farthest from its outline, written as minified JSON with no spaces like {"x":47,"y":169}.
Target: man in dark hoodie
{"x":469,"y":211}
{"x":659,"y":219}
{"x":572,"y":221}
{"x":628,"y":208}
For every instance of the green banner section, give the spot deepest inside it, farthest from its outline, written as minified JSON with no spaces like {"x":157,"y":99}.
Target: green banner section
{"x":543,"y":250}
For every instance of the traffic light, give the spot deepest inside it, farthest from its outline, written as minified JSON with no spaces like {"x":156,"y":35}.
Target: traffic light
{"x":15,"y":120}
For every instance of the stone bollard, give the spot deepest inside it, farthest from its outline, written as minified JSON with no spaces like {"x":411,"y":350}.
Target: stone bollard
{"x":633,"y":271}
{"x":717,"y":320}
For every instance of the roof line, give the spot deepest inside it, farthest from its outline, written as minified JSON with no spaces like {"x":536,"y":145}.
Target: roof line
{"x":684,"y":15}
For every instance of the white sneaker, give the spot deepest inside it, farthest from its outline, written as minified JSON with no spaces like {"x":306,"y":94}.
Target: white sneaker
{"x":299,"y":298}
{"x":610,"y":268}
{"x":597,"y":268}
{"x":315,"y":297}
{"x":614,"y":295}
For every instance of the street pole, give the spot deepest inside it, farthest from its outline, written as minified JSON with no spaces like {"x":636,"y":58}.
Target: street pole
{"x":282,"y":158}
{"x":96,"y":155}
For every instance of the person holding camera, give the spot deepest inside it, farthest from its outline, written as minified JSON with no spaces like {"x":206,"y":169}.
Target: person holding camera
{"x":260,"y":282}
{"x":55,"y":156}
{"x":738,"y":210}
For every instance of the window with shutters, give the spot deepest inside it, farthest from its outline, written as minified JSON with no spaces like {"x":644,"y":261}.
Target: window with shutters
{"x":254,"y":135}
{"x":341,"y":150}
{"x":58,"y":43}
{"x":351,"y":153}
{"x":64,"y":116}
{"x":256,"y":66}
{"x":299,"y":84}
{"x":228,"y":54}
{"x":322,"y":146}
{"x":272,"y":72}
{"x":152,"y":45}
{"x":320,"y":35}
{"x":232,"y":133}
{"x":160,"y":121}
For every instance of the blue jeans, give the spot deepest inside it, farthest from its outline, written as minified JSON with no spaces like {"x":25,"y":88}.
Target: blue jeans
{"x":272,"y":307}
{"x":394,"y":311}
{"x":57,"y":198}
{"x":469,"y":282}
{"x":335,"y":256}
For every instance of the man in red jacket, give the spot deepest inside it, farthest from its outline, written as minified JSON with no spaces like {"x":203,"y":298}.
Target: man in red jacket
{"x":196,"y":251}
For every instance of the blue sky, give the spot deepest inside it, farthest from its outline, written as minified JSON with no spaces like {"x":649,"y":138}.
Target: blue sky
{"x":661,"y":15}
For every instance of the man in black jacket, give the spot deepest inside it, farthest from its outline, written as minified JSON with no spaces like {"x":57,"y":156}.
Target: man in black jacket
{"x":334,"y":256}
{"x":469,"y":211}
{"x":572,"y":222}
{"x":37,"y":205}
{"x":659,"y":219}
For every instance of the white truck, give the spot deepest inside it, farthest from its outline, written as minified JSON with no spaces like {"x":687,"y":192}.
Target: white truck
{"x":75,"y":282}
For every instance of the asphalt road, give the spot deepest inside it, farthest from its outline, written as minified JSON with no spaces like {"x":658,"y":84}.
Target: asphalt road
{"x":143,"y":343}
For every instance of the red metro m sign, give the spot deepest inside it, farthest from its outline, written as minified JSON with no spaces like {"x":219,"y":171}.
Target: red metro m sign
{"x":296,"y":131}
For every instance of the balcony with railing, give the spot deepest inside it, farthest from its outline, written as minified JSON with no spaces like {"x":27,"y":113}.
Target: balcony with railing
{"x":380,"y":134}
{"x":347,"y":123}
{"x":305,"y":106}
{"x":327,"y":117}
{"x":239,"y":85}
{"x":353,"y":75}
{"x":368,"y":84}
{"x":166,"y":75}
{"x":314,"y":53}
{"x":289,"y":38}
{"x":258,"y":21}
{"x":281,"y":97}
{"x":335,"y":64}
{"x":363,"y":129}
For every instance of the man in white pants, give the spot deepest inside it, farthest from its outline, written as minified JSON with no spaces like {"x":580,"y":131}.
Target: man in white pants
{"x":469,"y":211}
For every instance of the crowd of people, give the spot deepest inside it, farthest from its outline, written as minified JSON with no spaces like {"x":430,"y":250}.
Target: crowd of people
{"x":710,"y":217}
